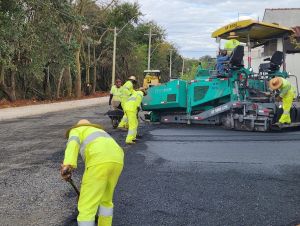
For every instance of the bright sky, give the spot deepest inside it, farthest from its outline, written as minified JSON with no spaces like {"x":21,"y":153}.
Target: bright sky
{"x":189,"y":23}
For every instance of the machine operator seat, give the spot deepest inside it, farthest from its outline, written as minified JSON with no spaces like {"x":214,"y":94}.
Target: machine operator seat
{"x":236,"y":58}
{"x":275,"y":63}
{"x":234,"y":61}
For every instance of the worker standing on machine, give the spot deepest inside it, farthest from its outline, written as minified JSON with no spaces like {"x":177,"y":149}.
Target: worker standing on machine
{"x":131,"y":110}
{"x":115,"y":94}
{"x":231,"y":43}
{"x":126,"y":91}
{"x":103,"y":159}
{"x":287,"y":94}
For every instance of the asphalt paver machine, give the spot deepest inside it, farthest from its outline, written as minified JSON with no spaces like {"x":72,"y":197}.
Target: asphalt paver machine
{"x":238,"y":98}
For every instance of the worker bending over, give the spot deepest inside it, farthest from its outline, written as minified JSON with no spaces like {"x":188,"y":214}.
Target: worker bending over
{"x":287,"y":94}
{"x":103,"y":159}
{"x":131,"y":110}
{"x":126,"y":91}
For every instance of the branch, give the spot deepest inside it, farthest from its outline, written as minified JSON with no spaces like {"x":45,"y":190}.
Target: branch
{"x":113,"y":1}
{"x":100,"y":39}
{"x":100,"y":55}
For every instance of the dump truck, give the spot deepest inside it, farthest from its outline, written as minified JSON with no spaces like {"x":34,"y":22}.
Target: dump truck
{"x":237,"y":98}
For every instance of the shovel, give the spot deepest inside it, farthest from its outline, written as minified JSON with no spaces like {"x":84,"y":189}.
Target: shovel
{"x":74,"y":186}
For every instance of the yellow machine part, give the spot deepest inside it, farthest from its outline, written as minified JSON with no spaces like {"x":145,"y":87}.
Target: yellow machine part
{"x":150,"y":80}
{"x":258,"y":32}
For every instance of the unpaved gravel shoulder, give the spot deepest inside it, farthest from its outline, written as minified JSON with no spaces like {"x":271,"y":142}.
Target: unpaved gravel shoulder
{"x":25,"y":111}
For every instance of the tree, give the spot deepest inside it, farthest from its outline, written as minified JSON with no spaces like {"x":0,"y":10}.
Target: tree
{"x":47,"y":46}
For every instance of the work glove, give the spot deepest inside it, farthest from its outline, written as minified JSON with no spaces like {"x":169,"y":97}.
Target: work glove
{"x":278,"y":98}
{"x":66,"y":172}
{"x":268,"y":94}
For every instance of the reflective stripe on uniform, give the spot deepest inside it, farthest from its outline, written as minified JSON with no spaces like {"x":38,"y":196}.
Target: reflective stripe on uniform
{"x":131,"y":99}
{"x":286,"y":112}
{"x":86,"y":223}
{"x":89,"y":139}
{"x":75,"y":138}
{"x":105,"y":211}
{"x":131,"y":131}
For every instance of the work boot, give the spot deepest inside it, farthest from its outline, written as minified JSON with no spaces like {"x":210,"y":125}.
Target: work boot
{"x":122,"y":128}
{"x":136,"y":139}
{"x":130,"y":143}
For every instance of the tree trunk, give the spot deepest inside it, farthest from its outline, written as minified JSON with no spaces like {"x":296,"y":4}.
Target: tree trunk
{"x":94,"y":71}
{"x":68,"y":80}
{"x":10,"y":92}
{"x":1,"y":73}
{"x":88,"y":65}
{"x":59,"y":83}
{"x":24,"y":86}
{"x":13,"y":86}
{"x":48,"y":87}
{"x":78,"y":74}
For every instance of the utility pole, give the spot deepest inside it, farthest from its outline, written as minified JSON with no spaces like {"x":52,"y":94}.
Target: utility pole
{"x":89,"y":63}
{"x":170,"y":74}
{"x":182,"y":66}
{"x":149,"y":46}
{"x":113,"y":75}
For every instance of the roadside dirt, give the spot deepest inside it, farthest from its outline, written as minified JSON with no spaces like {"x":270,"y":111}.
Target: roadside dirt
{"x":6,"y":104}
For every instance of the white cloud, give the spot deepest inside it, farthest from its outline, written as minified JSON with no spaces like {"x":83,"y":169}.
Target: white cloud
{"x":189,"y":23}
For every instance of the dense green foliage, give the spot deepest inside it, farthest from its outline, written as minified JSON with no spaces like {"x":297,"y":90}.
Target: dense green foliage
{"x":192,"y":65}
{"x":53,"y":49}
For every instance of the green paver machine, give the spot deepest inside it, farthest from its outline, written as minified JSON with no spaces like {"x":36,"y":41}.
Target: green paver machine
{"x":237,"y":97}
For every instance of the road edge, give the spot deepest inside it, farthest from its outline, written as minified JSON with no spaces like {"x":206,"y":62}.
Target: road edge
{"x":39,"y":109}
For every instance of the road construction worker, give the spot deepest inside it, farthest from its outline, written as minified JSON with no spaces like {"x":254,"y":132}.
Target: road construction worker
{"x":221,"y":59}
{"x":231,"y":43}
{"x":287,"y":94}
{"x":103,"y":159}
{"x":115,"y":94}
{"x":126,"y":91}
{"x":131,"y":110}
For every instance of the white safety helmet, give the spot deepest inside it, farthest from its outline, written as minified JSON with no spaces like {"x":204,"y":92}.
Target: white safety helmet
{"x":133,"y":78}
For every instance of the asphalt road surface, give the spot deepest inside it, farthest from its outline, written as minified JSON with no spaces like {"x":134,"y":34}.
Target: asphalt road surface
{"x":176,"y":175}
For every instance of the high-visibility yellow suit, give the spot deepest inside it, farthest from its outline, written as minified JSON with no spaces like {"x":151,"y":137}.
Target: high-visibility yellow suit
{"x":116,"y":92}
{"x":230,"y":45}
{"x":103,"y":159}
{"x":131,"y":111}
{"x":287,"y":93}
{"x":126,"y":92}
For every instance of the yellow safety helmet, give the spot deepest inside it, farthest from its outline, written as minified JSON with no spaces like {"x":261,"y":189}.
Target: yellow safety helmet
{"x":83,"y":122}
{"x":232,"y":35}
{"x":275,"y":83}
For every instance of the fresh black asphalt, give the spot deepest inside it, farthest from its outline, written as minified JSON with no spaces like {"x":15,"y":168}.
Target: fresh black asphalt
{"x":175,"y":175}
